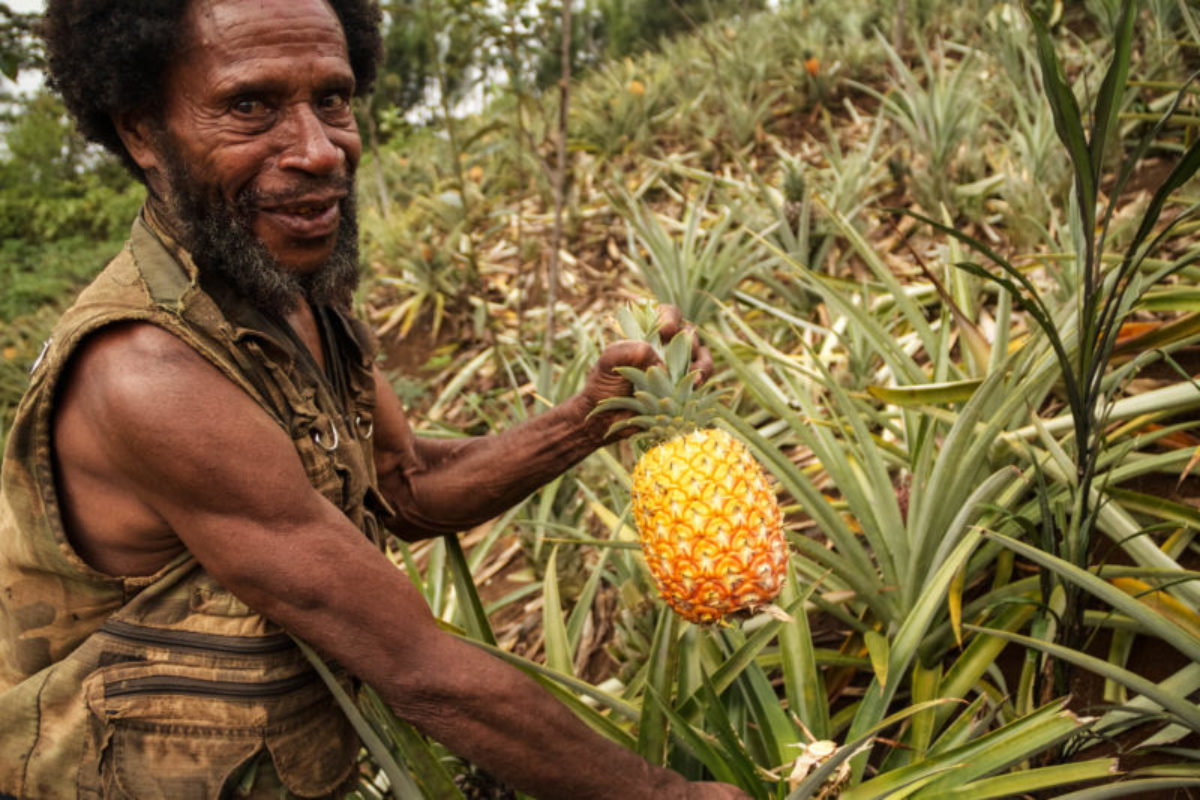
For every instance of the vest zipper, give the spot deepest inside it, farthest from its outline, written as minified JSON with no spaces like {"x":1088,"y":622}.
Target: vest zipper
{"x":174,"y":684}
{"x":194,"y":640}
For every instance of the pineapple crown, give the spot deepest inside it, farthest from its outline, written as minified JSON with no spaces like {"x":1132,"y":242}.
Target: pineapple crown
{"x":666,"y":400}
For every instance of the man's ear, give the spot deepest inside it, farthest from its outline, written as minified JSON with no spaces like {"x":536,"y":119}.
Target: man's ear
{"x":138,"y":136}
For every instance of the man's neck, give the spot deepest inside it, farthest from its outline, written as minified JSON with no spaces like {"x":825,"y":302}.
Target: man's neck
{"x":303,"y":321}
{"x":160,"y":219}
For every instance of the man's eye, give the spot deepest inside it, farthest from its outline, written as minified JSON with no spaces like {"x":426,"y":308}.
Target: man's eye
{"x":334,"y":102}
{"x":248,"y":107}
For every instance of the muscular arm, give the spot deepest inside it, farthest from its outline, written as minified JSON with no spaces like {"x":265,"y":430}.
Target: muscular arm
{"x":182,"y":445}
{"x":441,"y":486}
{"x":445,"y":486}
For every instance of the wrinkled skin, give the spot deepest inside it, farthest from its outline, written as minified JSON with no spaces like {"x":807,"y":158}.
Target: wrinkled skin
{"x":181,"y":459}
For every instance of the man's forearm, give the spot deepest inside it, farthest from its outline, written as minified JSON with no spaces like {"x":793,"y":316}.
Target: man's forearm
{"x":503,"y":721}
{"x":342,"y":596}
{"x":459,"y":483}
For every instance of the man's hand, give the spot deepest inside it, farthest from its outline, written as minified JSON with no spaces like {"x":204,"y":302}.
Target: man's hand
{"x":604,"y":381}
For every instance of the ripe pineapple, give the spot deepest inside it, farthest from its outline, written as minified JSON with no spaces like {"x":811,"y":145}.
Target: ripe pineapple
{"x":710,"y":526}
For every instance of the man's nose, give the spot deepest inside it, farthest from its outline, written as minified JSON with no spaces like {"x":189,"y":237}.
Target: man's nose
{"x":308,"y":146}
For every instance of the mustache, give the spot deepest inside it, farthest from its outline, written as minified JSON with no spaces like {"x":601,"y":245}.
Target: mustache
{"x":302,"y":186}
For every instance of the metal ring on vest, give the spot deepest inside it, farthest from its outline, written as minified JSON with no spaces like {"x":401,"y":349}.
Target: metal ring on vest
{"x":316,"y":434}
{"x":358,"y":425}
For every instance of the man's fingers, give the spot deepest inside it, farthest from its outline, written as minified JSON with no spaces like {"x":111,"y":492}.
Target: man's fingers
{"x":627,"y":353}
{"x":670,"y":322}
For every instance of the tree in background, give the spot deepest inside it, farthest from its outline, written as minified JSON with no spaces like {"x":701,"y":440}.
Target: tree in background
{"x":437,"y":52}
{"x":20,"y":47}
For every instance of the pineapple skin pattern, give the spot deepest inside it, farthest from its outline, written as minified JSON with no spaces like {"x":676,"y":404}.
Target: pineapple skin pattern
{"x":711,"y":528}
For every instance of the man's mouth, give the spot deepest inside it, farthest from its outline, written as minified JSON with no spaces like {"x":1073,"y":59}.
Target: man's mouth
{"x":305,"y":219}
{"x":306,"y":211}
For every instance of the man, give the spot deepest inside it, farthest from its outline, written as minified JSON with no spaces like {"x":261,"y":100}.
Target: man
{"x":205,"y":443}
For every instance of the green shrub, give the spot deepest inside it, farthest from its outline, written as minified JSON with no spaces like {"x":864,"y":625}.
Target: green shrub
{"x":33,"y":275}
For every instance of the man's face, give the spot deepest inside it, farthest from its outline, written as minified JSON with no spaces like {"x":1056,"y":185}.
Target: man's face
{"x":258,"y":143}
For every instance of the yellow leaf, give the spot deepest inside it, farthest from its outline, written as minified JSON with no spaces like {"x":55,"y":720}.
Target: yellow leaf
{"x":621,"y":531}
{"x":1161,"y":603}
{"x":954,"y":599}
{"x":878,"y":650}
{"x":930,"y":393}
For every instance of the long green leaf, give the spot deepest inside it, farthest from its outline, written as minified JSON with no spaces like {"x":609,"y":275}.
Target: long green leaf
{"x":652,"y":727}
{"x":741,"y":659}
{"x":813,"y":782}
{"x":1017,"y":741}
{"x":1182,"y":684}
{"x":734,"y":750}
{"x":428,"y":768}
{"x":929,"y":394}
{"x":549,"y":677}
{"x":1185,"y":711}
{"x":401,"y":782}
{"x":470,"y":605}
{"x":767,"y":721}
{"x":803,"y":683}
{"x":558,"y":645}
{"x":583,"y":605}
{"x":1148,"y":787}
{"x":699,"y":744}
{"x":962,"y":728}
{"x":1021,"y":782}
{"x":980,"y":654}
{"x":1153,"y":623}
{"x":1108,"y":99}
{"x":905,"y":643}
{"x":1067,"y":120}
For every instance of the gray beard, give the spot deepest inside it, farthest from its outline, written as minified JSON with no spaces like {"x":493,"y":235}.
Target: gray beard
{"x":221,"y":241}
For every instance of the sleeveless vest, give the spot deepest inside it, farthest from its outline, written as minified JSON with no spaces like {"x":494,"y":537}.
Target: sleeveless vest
{"x":168,"y":686}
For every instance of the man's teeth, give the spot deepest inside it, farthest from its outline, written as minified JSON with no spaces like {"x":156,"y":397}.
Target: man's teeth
{"x":305,"y":211}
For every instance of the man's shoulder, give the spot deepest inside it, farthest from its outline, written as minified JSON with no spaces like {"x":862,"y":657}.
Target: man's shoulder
{"x":118,"y":278}
{"x":114,"y":294}
{"x":138,"y":401}
{"x":135,"y":370}
{"x":139,"y":342}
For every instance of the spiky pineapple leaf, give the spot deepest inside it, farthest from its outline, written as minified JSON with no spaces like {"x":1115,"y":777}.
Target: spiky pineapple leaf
{"x":702,"y":747}
{"x":878,"y":650}
{"x":720,"y":723}
{"x":401,"y":781}
{"x":471,"y":606}
{"x":678,"y":356}
{"x":653,"y":724}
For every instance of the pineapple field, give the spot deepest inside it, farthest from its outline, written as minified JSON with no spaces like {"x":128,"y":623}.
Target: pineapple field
{"x":928,"y":530}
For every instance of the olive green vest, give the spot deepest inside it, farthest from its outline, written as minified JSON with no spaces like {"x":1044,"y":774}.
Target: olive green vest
{"x":168,"y":686}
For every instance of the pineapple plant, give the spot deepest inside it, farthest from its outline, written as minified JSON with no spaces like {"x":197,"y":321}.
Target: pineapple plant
{"x":710,"y":526}
{"x":794,"y":188}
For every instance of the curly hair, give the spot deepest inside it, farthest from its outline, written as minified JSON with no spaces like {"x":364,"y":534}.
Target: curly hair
{"x":109,"y":57}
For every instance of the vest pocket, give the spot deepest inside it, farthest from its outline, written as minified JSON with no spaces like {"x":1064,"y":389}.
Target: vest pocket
{"x":167,"y":730}
{"x":158,"y":762}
